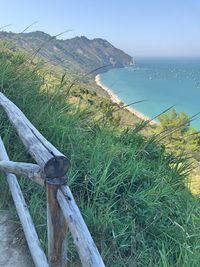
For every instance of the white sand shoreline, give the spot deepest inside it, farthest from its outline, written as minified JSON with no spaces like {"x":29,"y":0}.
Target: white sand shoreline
{"x":115,"y":99}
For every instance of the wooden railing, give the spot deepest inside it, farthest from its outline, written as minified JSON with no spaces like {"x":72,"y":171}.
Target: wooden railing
{"x":62,"y":211}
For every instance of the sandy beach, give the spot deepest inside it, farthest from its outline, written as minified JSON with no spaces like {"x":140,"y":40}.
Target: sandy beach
{"x":115,"y":99}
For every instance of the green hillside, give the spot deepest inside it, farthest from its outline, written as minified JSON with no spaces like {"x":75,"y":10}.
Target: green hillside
{"x":131,"y":192}
{"x":76,"y":55}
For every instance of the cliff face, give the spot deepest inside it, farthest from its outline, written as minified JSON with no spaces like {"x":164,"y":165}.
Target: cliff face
{"x":78,"y":53}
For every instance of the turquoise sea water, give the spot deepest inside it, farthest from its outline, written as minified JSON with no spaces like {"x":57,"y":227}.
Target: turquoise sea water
{"x":161,"y":82}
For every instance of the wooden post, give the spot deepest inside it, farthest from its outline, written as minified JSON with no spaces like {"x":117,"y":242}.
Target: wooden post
{"x":87,"y":250}
{"x":61,"y":207}
{"x":54,"y":166}
{"x":57,"y":228}
{"x":33,"y":242}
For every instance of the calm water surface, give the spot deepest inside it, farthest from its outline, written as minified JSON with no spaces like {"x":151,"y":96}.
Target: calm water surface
{"x":161,"y":82}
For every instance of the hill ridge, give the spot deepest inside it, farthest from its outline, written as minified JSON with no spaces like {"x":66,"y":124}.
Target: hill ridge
{"x":78,"y":53}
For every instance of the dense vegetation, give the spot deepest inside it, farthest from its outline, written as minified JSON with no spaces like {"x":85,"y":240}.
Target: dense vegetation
{"x":179,"y":138}
{"x":76,"y":55}
{"x":177,"y":135}
{"x":131,"y":191}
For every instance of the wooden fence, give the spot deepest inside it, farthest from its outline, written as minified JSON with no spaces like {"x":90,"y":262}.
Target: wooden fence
{"x":50,"y":171}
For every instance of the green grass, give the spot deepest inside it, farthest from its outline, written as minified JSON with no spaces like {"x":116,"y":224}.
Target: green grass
{"x":131,"y":193}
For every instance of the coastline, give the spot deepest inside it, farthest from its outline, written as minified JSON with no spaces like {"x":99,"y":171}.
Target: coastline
{"x":115,"y":99}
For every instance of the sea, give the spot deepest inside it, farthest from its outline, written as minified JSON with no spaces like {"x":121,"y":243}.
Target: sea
{"x":160,"y":83}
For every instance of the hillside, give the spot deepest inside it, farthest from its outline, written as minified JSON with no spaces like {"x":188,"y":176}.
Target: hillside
{"x":77,"y":54}
{"x":131,"y":192}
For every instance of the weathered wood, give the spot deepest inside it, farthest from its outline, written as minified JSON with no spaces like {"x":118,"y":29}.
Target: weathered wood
{"x":84,"y":243}
{"x":32,"y":171}
{"x":61,"y":207}
{"x":57,"y":228}
{"x":45,"y":154}
{"x":37,"y":253}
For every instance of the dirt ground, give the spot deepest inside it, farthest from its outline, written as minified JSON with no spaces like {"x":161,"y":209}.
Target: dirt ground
{"x":13,"y":249}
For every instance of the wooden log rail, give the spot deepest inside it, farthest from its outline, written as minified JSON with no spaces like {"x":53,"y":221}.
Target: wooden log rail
{"x":37,"y":253}
{"x":62,"y":211}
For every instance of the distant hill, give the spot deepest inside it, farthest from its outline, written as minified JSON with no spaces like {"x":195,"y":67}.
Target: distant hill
{"x":76,"y":54}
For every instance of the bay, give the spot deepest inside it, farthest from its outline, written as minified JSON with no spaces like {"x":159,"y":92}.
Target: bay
{"x":161,"y":82}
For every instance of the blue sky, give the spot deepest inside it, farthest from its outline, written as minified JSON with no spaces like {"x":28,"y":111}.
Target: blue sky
{"x":139,"y":27}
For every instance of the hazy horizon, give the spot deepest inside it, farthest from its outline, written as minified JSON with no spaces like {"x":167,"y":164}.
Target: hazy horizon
{"x":142,"y":29}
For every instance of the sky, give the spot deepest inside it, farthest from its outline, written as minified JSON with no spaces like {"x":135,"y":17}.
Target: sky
{"x":139,"y":27}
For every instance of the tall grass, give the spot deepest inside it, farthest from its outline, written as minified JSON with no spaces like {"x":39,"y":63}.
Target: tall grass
{"x":130,"y":191}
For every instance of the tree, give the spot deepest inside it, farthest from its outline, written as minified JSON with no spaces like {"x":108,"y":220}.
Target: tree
{"x":177,"y":135}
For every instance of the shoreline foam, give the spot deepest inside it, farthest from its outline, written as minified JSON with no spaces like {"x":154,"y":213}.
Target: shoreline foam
{"x":115,"y":99}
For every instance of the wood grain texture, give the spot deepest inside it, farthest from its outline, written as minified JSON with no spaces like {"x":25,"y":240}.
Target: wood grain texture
{"x":62,"y":211}
{"x":32,"y":171}
{"x":44,"y":153}
{"x":57,"y":228}
{"x":36,"y":251}
{"x":84,"y":243}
